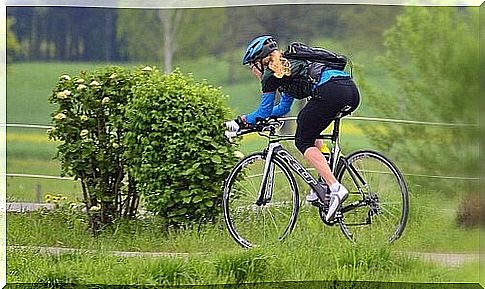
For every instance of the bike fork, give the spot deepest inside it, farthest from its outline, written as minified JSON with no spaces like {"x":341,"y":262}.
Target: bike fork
{"x":266,"y":187}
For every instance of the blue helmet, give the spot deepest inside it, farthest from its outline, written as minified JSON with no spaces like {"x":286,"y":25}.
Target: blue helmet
{"x":259,"y":48}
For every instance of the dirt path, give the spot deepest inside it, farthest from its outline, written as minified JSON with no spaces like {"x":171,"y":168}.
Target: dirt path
{"x":448,"y":259}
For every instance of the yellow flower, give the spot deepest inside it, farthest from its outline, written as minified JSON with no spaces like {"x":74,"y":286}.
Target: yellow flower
{"x":47,"y":196}
{"x":84,"y":117}
{"x":65,"y":77}
{"x":80,"y":81}
{"x":94,"y":83}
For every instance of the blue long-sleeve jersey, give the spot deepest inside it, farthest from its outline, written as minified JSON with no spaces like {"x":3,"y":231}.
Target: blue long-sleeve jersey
{"x":266,"y":107}
{"x":269,"y":85}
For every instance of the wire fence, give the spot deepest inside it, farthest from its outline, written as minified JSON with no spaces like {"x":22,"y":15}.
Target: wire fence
{"x":354,"y":118}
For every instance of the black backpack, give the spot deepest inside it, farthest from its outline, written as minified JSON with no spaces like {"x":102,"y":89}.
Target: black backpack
{"x":316,"y":60}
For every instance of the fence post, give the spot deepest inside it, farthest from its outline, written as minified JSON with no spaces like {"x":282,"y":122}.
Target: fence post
{"x":38,"y":193}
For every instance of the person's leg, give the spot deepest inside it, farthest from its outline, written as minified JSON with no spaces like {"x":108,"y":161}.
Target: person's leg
{"x":314,"y":118}
{"x":318,"y":161}
{"x":311,"y":122}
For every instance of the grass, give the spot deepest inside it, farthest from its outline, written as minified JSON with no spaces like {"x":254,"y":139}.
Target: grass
{"x":22,"y":158}
{"x":308,"y":261}
{"x":311,"y":246}
{"x":429,"y":229}
{"x":30,"y":84}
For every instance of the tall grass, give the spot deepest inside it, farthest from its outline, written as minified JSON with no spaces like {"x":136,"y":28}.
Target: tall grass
{"x":269,"y":265}
{"x":429,"y":230}
{"x":312,"y":252}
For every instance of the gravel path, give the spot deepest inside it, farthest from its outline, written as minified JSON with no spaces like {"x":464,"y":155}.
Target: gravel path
{"x":27,"y":207}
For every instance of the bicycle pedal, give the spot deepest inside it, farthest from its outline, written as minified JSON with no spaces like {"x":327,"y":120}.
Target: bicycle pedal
{"x":318,"y":204}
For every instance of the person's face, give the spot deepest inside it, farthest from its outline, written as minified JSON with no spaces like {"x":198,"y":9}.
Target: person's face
{"x":255,"y":68}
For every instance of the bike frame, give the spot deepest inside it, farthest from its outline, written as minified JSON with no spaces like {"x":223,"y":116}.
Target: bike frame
{"x":275,"y":148}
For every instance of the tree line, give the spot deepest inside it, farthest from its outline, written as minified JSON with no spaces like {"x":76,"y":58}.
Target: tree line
{"x":109,"y":34}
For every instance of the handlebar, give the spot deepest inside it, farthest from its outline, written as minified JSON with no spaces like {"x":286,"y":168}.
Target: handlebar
{"x":271,"y":125}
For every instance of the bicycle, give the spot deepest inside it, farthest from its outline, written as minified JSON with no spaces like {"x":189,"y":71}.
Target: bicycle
{"x":261,"y":200}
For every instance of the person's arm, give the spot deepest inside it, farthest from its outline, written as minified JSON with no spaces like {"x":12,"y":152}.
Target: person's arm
{"x":283,"y":106}
{"x":264,"y":110}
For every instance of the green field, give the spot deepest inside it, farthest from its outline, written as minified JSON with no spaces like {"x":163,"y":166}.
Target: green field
{"x":303,"y":255}
{"x":30,"y":152}
{"x":431,"y":226}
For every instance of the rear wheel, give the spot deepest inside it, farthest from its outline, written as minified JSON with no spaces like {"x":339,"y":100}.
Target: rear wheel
{"x":378,"y":202}
{"x":252,"y":223}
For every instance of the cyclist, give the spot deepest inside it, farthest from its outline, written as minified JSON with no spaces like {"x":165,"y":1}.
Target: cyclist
{"x":334,"y":91}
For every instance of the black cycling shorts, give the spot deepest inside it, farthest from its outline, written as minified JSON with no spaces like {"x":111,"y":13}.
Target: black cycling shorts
{"x":322,"y":109}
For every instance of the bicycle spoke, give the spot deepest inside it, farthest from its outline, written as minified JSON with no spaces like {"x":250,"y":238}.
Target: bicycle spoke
{"x":385,"y":193}
{"x":250,"y":224}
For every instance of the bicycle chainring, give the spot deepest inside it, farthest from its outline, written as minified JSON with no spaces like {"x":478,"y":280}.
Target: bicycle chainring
{"x":322,"y":212}
{"x":374,"y":207}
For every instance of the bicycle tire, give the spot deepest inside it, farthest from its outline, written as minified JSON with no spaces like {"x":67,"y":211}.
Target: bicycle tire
{"x":387,"y":197}
{"x":247,"y":222}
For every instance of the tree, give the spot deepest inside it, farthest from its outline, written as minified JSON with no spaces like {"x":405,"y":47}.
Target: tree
{"x":13,"y":46}
{"x":150,"y":35}
{"x":139,"y":34}
{"x":432,"y":54}
{"x":170,"y":20}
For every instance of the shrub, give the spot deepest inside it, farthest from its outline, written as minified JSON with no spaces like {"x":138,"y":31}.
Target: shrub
{"x":468,"y":214}
{"x":89,"y":123}
{"x":175,"y":142}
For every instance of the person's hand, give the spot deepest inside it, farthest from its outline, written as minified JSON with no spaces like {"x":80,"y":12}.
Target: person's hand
{"x":230,"y":134}
{"x":232,"y":126}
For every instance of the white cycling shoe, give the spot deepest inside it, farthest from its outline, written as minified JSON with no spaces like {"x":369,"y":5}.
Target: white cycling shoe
{"x":336,"y":200}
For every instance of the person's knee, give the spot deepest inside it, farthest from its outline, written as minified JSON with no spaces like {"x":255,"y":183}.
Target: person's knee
{"x":302,"y":145}
{"x":319,"y":143}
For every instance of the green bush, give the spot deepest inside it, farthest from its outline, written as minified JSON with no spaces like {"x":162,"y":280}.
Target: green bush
{"x":176,"y":147}
{"x":89,"y":123}
{"x":470,"y":211}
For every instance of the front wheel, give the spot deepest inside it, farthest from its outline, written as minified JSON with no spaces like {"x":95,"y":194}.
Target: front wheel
{"x":251,"y":220}
{"x":378,"y":202}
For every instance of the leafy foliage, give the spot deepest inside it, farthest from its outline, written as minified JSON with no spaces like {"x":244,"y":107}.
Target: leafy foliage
{"x":89,"y":122}
{"x":13,"y":46}
{"x":176,"y":147}
{"x":162,"y":134}
{"x":469,"y":213}
{"x":432,"y":55}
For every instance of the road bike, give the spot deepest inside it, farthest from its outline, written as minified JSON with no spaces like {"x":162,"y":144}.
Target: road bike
{"x":261,"y":200}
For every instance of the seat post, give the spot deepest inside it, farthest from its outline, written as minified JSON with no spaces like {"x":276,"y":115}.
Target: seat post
{"x":336,"y":129}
